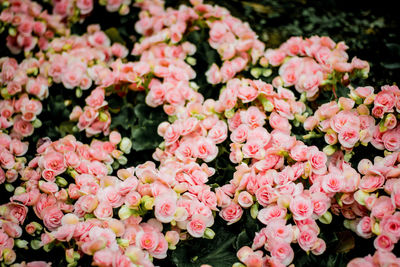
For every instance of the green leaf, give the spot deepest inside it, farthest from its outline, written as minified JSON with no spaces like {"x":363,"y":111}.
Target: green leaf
{"x":215,"y":252}
{"x":242,"y":240}
{"x":114,"y":35}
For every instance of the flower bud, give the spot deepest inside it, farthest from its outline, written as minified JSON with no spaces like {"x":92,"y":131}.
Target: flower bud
{"x":256,"y":72}
{"x":360,"y":196}
{"x":376,"y":229}
{"x":326,"y":218}
{"x":124,"y":212}
{"x":123,"y":242}
{"x":209,"y":233}
{"x":122,"y":160}
{"x":229,"y":113}
{"x":78,"y":92}
{"x":147,"y":202}
{"x":36,"y":244}
{"x":267,"y":105}
{"x":61,"y":182}
{"x":125,"y":145}
{"x":21,"y":243}
{"x":329,"y":150}
{"x":191,"y":61}
{"x":9,"y":256}
{"x":19,"y":191}
{"x":267,"y":72}
{"x":254,"y":211}
{"x":9,"y":187}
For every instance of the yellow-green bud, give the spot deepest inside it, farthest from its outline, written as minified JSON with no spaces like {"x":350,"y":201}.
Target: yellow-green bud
{"x":21,"y":243}
{"x":329,"y":150}
{"x":254,"y":211}
{"x":229,"y":113}
{"x":256,"y":72}
{"x":209,"y":233}
{"x":376,"y":229}
{"x":37,"y":123}
{"x":122,"y":160}
{"x":267,"y":72}
{"x":124,"y":212}
{"x":36,"y":244}
{"x":125,"y":145}
{"x":326,"y":218}
{"x":19,"y":190}
{"x":191,"y":61}
{"x":9,"y":187}
{"x":61,"y":182}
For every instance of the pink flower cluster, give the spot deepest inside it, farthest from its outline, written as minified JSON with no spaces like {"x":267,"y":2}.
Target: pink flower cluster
{"x":94,"y":118}
{"x":311,"y":63}
{"x":80,"y":61}
{"x":349,"y":125}
{"x":380,"y":258}
{"x":136,"y":214}
{"x":11,"y":160}
{"x":234,"y":41}
{"x":29,"y":25}
{"x":373,"y":214}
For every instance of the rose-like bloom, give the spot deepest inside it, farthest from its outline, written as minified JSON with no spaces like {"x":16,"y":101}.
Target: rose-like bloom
{"x":317,"y":160}
{"x":54,"y":161}
{"x":196,"y":227}
{"x":266,"y":195}
{"x":52,"y":217}
{"x":165,"y":207}
{"x":301,"y":207}
{"x":348,"y":136}
{"x":245,"y":199}
{"x":270,"y":213}
{"x":384,"y":242}
{"x":219,"y":132}
{"x":282,"y":251}
{"x":307,"y":238}
{"x":391,"y":139}
{"x":147,"y":240}
{"x":253,"y":117}
{"x":391,"y":225}
{"x":231,"y":213}
{"x":103,"y":210}
{"x":364,"y":227}
{"x":382,"y":207}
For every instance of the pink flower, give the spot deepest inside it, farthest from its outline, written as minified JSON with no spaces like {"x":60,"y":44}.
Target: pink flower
{"x":301,"y":207}
{"x":85,"y":6}
{"x":52,"y":217}
{"x":282,"y":251}
{"x":213,"y":74}
{"x":165,"y":207}
{"x":218,"y":133}
{"x":382,"y":207}
{"x":307,"y":238}
{"x":96,"y":98}
{"x":196,"y":227}
{"x":231,"y":213}
{"x":266,"y":195}
{"x":22,"y":127}
{"x":391,"y":139}
{"x":270,"y":213}
{"x":383,"y":242}
{"x":54,"y":161}
{"x":348,"y":136}
{"x":147,"y":240}
{"x":245,"y":199}
{"x":103,"y":210}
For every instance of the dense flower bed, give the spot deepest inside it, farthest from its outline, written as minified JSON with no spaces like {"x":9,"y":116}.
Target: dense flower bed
{"x":273,"y":140}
